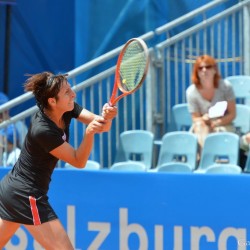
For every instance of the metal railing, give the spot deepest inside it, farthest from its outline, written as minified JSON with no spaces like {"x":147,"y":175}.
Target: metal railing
{"x":222,"y":35}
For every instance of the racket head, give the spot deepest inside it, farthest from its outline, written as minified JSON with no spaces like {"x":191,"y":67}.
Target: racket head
{"x":132,"y":66}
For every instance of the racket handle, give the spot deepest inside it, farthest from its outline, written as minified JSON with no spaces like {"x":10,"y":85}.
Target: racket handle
{"x":111,"y":104}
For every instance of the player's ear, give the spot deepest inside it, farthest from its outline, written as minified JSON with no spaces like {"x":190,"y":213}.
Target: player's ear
{"x":51,"y":101}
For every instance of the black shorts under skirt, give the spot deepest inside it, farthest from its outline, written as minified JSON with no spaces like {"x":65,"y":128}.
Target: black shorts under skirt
{"x":21,"y":204}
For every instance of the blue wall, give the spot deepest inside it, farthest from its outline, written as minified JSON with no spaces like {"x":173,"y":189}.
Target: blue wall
{"x":58,"y":35}
{"x":154,"y":211}
{"x":42,"y":39}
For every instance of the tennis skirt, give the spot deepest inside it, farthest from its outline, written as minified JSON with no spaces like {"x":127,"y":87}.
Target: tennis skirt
{"x":22,"y":204}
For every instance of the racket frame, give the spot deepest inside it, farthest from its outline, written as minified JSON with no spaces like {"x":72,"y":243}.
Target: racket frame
{"x":113,"y":99}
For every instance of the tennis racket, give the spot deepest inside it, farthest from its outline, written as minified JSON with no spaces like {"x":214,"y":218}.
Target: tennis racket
{"x":131,"y":69}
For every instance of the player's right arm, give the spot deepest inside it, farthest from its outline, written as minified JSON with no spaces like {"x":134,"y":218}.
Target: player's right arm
{"x":78,"y":157}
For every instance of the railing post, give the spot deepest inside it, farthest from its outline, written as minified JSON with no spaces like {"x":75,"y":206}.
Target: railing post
{"x":150,"y":96}
{"x":246,"y":39}
{"x":157,"y":78}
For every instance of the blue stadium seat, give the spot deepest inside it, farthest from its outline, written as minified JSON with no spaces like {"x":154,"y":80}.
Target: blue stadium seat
{"x":128,"y":166}
{"x":223,"y":169}
{"x":90,"y":165}
{"x":241,"y":87}
{"x":137,"y":145}
{"x":221,"y":147}
{"x":242,"y":119}
{"x":182,"y":117}
{"x":174,"y":167}
{"x":179,"y":146}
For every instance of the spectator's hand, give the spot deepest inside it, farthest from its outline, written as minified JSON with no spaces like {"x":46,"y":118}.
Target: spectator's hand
{"x":215,"y":123}
{"x":109,"y":112}
{"x":247,"y":136}
{"x":206,"y":119}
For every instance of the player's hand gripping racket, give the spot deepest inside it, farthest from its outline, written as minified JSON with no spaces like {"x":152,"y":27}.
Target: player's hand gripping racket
{"x":131,"y":69}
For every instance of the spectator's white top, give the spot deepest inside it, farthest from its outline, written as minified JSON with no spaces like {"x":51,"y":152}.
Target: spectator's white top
{"x":197,"y":104}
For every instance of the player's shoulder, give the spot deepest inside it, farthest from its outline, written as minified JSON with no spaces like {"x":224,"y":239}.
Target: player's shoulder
{"x":41,"y":125}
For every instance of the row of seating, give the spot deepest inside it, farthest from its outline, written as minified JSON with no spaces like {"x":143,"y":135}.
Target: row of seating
{"x":181,"y":147}
{"x":176,"y":167}
{"x":178,"y":150}
{"x":171,"y":167}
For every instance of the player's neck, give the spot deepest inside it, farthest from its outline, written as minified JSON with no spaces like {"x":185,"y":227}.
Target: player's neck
{"x":55,"y":117}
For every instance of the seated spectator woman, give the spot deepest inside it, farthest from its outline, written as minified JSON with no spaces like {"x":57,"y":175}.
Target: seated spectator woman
{"x":11,"y":151}
{"x":20,"y":126}
{"x":208,"y":89}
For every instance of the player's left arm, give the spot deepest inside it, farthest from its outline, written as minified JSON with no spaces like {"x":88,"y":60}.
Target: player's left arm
{"x":108,"y":113}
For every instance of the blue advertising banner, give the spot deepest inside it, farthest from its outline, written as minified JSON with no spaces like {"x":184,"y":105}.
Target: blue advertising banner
{"x":107,"y":210}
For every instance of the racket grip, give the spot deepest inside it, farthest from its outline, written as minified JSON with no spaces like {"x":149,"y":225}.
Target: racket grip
{"x":111,"y":104}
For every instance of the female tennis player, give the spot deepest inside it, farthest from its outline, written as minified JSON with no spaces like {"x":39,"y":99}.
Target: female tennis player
{"x":23,"y":191}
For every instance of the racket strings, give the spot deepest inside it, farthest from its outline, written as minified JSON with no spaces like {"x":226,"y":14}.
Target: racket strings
{"x":133,"y":66}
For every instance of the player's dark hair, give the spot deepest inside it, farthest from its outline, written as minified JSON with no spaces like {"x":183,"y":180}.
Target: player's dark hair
{"x":44,"y":85}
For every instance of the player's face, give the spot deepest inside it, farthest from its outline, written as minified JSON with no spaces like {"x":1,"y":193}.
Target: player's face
{"x":66,"y":97}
